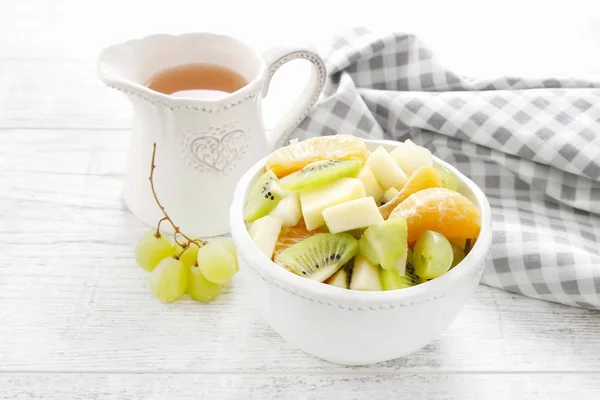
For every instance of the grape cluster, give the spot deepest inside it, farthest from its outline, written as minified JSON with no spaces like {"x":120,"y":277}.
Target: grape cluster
{"x":186,"y":265}
{"x":197,"y":268}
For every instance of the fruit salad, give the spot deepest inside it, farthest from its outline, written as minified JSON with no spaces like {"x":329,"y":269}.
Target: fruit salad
{"x":330,"y":210}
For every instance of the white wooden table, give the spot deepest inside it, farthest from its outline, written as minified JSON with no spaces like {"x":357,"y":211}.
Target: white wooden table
{"x":76,"y":318}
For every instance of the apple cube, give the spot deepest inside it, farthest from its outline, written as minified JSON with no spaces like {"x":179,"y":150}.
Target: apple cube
{"x":386,"y":170}
{"x":288,"y":210}
{"x":313,"y":202}
{"x":370,"y":183}
{"x":265,"y":232}
{"x":354,"y":214}
{"x":365,"y":276}
{"x":410,"y":157}
{"x":389,"y":194}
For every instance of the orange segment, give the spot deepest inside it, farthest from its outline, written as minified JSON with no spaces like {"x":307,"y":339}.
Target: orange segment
{"x":441,"y":210}
{"x":295,"y":156}
{"x":422,"y":178}
{"x":292,"y":235}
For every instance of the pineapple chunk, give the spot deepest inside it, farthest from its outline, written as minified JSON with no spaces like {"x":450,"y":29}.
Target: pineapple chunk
{"x":313,"y":202}
{"x":372,"y":187}
{"x":410,"y":157}
{"x":265,"y":232}
{"x":365,"y":276}
{"x":354,"y":214}
{"x":386,"y":170}
{"x":288,"y":210}
{"x":389,"y":194}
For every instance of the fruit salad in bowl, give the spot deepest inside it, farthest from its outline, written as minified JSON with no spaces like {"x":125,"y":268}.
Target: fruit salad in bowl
{"x":359,"y":251}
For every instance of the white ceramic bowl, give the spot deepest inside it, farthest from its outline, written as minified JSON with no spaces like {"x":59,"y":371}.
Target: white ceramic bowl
{"x":353,"y":327}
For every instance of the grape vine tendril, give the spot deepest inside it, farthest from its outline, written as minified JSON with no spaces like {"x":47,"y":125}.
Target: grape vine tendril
{"x":166,"y":217}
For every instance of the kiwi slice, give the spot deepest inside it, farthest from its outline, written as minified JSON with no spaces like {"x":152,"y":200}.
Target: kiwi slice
{"x":319,"y":256}
{"x":320,"y":173}
{"x":264,"y":195}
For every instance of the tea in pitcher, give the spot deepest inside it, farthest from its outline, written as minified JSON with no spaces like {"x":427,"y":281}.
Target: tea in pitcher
{"x":197,"y":81}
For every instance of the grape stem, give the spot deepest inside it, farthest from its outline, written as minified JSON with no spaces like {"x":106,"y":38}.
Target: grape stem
{"x":166,"y":217}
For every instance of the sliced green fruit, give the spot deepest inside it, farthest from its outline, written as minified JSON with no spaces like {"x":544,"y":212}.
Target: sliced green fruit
{"x":449,"y":180}
{"x":320,"y":173}
{"x":264,"y":195}
{"x":391,"y":280}
{"x":388,"y":241}
{"x":319,"y":256}
{"x":432,"y":255}
{"x":367,"y":251}
{"x":365,"y":275}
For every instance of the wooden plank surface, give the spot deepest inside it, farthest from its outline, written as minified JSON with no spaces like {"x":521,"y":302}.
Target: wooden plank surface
{"x":305,"y":386}
{"x":69,"y":285}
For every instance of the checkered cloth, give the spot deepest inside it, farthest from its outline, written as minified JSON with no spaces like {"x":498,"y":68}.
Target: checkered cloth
{"x":532,"y":145}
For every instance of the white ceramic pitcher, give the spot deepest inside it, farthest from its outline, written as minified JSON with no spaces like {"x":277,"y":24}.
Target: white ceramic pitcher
{"x":203,"y":146}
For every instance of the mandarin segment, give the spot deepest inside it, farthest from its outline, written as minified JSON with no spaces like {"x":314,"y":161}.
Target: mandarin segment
{"x":296,"y":156}
{"x":441,"y":210}
{"x":422,"y":178}
{"x":292,"y":235}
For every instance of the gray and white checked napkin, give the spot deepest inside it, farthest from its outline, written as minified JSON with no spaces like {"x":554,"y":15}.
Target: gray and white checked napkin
{"x":532,"y":145}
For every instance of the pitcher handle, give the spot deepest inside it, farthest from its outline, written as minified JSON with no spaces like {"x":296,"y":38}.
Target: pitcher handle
{"x":275,"y":58}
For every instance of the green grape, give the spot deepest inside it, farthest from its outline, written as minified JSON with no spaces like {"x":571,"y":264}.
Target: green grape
{"x":150,"y":250}
{"x":169,"y":280}
{"x":230,"y":246}
{"x":190,"y":255}
{"x":448,"y":178}
{"x":432,"y":255}
{"x":458,"y":255}
{"x":199,"y":288}
{"x":216,"y":263}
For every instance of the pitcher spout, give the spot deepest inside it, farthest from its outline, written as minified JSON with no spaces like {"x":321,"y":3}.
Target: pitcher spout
{"x":129,"y":66}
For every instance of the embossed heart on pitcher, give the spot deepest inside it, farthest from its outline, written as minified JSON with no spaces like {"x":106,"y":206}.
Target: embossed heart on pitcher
{"x":217,"y":151}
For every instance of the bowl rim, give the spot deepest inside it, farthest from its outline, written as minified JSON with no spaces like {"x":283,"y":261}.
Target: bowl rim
{"x":271,"y":272}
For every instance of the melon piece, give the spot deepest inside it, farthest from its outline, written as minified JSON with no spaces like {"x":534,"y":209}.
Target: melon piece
{"x":387,"y":243}
{"x":265,"y":232}
{"x":354,"y":214}
{"x":386,"y":170}
{"x":370,"y":183}
{"x":313,"y":202}
{"x":411,"y":157}
{"x":365,"y":275}
{"x":288,"y":210}
{"x":389,"y":194}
